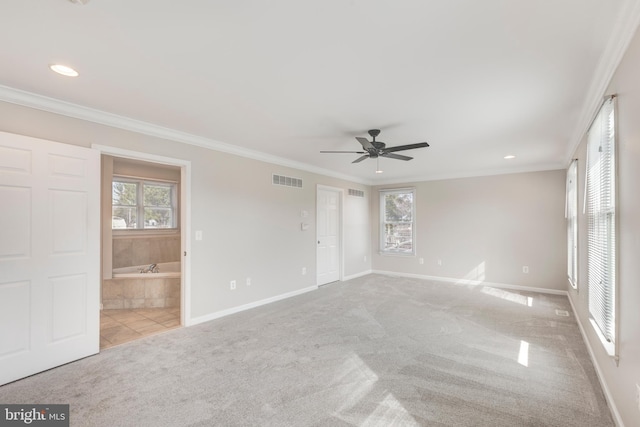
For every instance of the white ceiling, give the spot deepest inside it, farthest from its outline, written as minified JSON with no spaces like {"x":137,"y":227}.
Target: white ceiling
{"x":476,"y":79}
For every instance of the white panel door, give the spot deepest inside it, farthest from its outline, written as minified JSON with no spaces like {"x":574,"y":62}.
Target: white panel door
{"x":328,"y":229}
{"x":49,"y":255}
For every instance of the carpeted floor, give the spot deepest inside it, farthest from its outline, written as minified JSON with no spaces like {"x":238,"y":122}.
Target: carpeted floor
{"x":373,"y":351}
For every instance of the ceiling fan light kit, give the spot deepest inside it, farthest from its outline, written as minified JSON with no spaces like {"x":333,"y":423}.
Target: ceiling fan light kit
{"x":378,"y":166}
{"x":375,"y":149}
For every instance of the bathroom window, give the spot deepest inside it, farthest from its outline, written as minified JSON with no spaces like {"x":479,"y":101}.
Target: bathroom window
{"x":143,"y":204}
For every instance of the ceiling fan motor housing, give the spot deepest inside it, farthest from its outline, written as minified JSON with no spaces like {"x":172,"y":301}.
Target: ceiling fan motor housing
{"x":377,"y":144}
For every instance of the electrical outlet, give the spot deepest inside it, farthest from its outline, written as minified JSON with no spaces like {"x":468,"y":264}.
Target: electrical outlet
{"x":232,"y":284}
{"x":304,"y":270}
{"x":440,"y":262}
{"x":248,"y":281}
{"x":525,"y":269}
{"x":421,"y":260}
{"x":638,"y":395}
{"x":365,"y":258}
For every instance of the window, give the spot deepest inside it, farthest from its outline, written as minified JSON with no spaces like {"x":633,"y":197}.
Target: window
{"x":397,"y":230}
{"x":142,"y":204}
{"x":572,"y":223}
{"x":601,"y":217}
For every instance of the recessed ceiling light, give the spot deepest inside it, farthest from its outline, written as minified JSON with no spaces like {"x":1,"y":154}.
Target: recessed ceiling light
{"x":64,"y":70}
{"x":509,"y":157}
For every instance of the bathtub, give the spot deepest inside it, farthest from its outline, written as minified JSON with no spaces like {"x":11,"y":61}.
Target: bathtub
{"x":131,"y":289}
{"x":165,"y":270}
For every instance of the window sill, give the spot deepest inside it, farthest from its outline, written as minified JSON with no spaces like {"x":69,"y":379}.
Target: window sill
{"x":398,"y":254}
{"x":609,"y":346}
{"x":145,"y":233}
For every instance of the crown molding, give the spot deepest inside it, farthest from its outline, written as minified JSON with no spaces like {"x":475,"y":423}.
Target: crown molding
{"x":475,"y":174}
{"x":623,"y":32}
{"x":57,"y":106}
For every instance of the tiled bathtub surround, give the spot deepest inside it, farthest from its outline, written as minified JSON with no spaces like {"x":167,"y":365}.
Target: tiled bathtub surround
{"x":140,"y":250}
{"x":140,"y":293}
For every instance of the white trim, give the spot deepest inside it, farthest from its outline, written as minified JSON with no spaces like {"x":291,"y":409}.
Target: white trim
{"x":56,"y":106}
{"x":608,"y":346}
{"x":455,"y":175}
{"x":605,"y":388}
{"x":355,"y":276}
{"x":185,"y":224}
{"x":139,"y":155}
{"x":623,"y":32}
{"x":185,"y":215}
{"x":472,"y":282}
{"x":234,"y":310}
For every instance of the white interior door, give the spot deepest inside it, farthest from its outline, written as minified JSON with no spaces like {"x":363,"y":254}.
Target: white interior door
{"x":328,"y":230}
{"x":49,"y":255}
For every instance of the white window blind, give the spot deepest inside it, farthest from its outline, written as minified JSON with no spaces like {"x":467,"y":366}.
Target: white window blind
{"x":572,"y":223}
{"x":601,"y":217}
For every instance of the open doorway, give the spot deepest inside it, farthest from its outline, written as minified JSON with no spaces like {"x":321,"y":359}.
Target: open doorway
{"x":144,"y":246}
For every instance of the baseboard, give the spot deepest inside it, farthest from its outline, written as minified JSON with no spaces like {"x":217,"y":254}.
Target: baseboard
{"x":607,"y":394}
{"x":355,"y":276}
{"x":229,"y":311}
{"x":473,"y":282}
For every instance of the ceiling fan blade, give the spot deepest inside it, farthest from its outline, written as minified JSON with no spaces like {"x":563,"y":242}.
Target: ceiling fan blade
{"x":352,"y":152}
{"x":359,"y":159}
{"x":365,"y":143}
{"x":406,"y":147}
{"x":396,"y":156}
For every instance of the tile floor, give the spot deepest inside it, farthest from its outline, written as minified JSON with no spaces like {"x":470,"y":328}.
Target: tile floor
{"x":120,"y":326}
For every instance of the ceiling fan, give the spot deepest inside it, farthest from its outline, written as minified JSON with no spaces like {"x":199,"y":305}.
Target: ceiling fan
{"x":375,"y":149}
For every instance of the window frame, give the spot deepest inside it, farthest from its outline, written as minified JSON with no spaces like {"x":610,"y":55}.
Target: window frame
{"x":140,"y":206}
{"x":383,"y":222}
{"x":600,"y":208}
{"x":572,"y":223}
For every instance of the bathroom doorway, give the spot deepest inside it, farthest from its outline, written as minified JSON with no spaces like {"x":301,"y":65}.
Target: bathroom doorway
{"x":143,"y":246}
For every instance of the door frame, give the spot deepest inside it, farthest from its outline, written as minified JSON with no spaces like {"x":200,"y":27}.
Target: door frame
{"x":340,"y":192}
{"x":185,"y":216}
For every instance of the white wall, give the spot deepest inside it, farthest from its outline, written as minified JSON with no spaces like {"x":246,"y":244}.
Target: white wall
{"x":250,"y":227}
{"x":486,"y":229}
{"x":619,"y":380}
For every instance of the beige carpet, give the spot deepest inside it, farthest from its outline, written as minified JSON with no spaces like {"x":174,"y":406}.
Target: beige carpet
{"x":374,"y":351}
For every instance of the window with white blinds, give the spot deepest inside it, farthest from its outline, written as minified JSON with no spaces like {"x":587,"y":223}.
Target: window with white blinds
{"x":601,"y":223}
{"x":572,"y":223}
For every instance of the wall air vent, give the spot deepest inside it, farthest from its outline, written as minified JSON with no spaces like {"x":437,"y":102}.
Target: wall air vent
{"x":356,"y":193}
{"x":287,"y":181}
